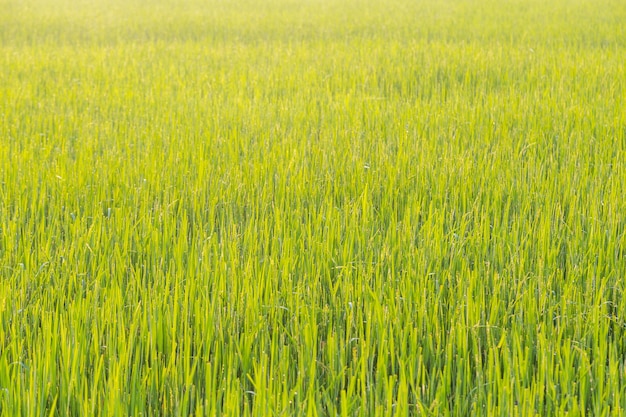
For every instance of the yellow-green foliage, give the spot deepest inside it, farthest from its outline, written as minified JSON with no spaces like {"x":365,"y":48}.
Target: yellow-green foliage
{"x":312,"y":207}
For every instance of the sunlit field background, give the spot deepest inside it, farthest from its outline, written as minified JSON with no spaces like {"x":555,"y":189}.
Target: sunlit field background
{"x":312,"y":207}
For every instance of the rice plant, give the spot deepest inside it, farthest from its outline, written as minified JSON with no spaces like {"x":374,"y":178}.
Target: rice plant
{"x":312,"y":208}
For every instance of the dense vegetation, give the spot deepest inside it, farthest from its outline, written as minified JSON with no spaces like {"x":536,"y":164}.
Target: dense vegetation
{"x":314,"y":207}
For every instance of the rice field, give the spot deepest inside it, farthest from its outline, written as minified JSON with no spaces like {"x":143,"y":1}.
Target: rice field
{"x":312,"y":208}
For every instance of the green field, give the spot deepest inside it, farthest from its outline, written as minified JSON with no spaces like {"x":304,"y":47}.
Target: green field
{"x":312,"y":207}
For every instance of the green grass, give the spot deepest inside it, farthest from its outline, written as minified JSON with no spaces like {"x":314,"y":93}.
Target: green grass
{"x":314,"y":207}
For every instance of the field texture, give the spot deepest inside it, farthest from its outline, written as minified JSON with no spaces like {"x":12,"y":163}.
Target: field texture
{"x":312,"y":207}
